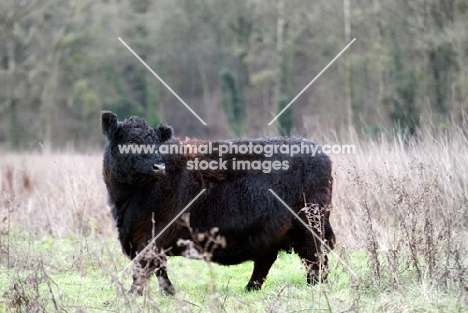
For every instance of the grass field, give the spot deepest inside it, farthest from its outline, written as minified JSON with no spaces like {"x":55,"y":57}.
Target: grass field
{"x":399,"y":213}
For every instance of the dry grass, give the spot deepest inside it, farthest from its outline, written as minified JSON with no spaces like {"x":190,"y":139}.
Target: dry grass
{"x":401,"y":202}
{"x":54,"y":195}
{"x":405,"y":202}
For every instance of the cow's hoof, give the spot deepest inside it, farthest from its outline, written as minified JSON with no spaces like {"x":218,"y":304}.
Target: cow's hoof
{"x":168,"y":291}
{"x":316,"y":278}
{"x":131,"y":293}
{"x":313,"y":279}
{"x":253,"y":286}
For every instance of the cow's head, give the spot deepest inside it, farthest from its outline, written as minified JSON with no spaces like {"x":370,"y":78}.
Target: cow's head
{"x":131,"y":154}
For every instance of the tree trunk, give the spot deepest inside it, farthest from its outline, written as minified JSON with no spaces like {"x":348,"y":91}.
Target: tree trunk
{"x":380,"y":66}
{"x":13,"y":131}
{"x":347,"y":33}
{"x":48,"y":99}
{"x":279,"y":55}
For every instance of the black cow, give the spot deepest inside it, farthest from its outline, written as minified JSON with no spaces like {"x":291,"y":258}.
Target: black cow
{"x":146,"y":191}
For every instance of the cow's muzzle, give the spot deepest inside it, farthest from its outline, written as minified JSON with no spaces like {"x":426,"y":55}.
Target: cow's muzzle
{"x":159,"y":169}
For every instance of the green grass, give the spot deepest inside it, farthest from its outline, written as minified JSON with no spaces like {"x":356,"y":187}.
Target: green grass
{"x":84,"y":275}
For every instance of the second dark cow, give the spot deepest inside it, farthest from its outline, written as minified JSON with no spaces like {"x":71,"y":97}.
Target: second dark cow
{"x":147,"y":190}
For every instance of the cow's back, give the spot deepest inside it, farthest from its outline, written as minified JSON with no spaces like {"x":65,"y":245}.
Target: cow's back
{"x":240,"y":204}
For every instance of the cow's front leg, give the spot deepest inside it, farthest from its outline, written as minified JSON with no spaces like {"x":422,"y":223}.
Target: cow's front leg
{"x":164,"y":282}
{"x":143,"y":271}
{"x":262,"y":266}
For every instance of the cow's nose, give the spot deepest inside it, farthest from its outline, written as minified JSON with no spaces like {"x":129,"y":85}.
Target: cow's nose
{"x":158,"y":169}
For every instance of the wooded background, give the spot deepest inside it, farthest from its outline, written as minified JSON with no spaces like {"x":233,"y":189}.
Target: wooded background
{"x":236,"y":63}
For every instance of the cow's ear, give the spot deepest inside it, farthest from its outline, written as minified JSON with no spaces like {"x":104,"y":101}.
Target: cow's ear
{"x":109,"y":124}
{"x":165,"y":132}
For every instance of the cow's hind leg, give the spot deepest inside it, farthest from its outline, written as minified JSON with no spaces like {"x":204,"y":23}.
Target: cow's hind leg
{"x":314,"y":258}
{"x":262,"y":266}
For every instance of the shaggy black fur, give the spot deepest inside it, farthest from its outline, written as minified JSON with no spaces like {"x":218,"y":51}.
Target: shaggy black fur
{"x":255,"y":224}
